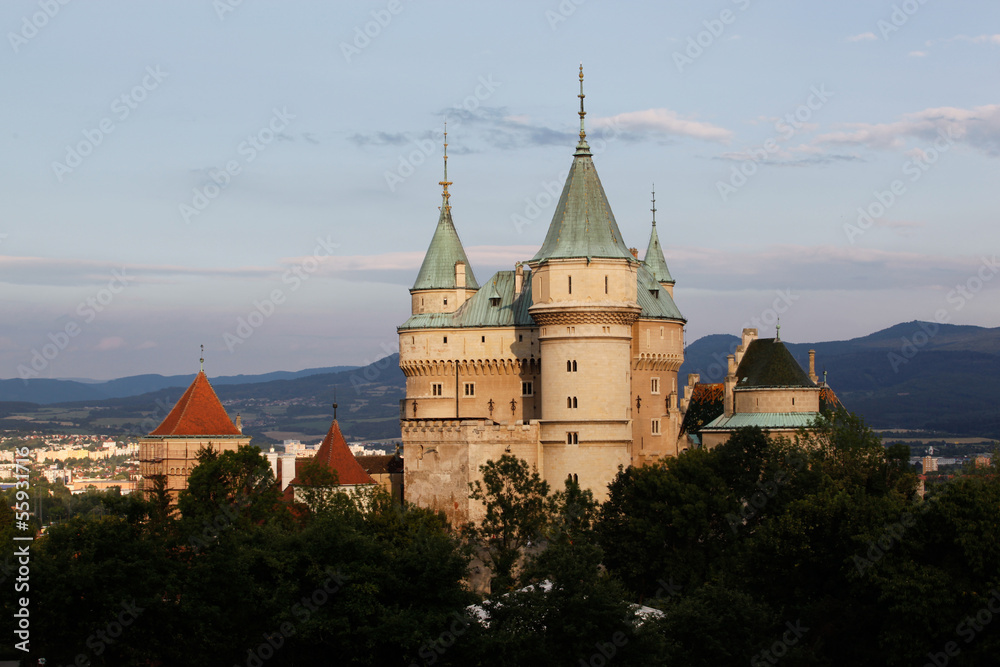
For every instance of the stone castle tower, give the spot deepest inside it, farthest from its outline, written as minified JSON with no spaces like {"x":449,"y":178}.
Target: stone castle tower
{"x":570,"y":365}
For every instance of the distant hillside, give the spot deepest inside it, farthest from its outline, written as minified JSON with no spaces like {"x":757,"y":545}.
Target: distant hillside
{"x":913,"y":375}
{"x":46,"y":391}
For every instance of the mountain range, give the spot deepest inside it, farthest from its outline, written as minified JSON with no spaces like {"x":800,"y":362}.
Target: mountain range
{"x":915,"y":375}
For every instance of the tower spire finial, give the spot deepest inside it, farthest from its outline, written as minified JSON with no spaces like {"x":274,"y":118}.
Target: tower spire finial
{"x":777,"y":331}
{"x":654,"y":205}
{"x":583,"y":132}
{"x":445,"y":195}
{"x":202,"y":360}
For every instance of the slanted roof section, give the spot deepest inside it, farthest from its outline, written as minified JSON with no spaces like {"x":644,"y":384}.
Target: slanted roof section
{"x":479,"y":312}
{"x":335,"y":455}
{"x":438,"y":268}
{"x":768,"y":363}
{"x":655,"y":301}
{"x":763,"y":420}
{"x":654,"y":259}
{"x":199,"y":412}
{"x":583,"y":224}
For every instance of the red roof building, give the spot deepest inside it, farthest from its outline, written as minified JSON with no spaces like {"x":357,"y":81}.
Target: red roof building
{"x":197,"y":421}
{"x":335,"y":455}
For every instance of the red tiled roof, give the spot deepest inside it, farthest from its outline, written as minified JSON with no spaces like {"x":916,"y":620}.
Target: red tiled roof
{"x":198,"y":413}
{"x":335,"y":455}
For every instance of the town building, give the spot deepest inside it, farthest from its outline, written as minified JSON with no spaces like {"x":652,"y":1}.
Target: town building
{"x":197,"y":421}
{"x":568,"y":361}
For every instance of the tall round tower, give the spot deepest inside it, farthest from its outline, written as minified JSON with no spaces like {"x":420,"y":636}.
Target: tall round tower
{"x":584,"y":301}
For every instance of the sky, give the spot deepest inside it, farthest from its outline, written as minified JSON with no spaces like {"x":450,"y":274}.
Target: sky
{"x":261,"y":177}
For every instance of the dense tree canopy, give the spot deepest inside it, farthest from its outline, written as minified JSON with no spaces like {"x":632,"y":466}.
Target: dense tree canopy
{"x":815,"y":551}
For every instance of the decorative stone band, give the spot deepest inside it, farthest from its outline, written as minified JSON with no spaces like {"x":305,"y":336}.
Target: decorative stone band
{"x":470,"y":367}
{"x":546,"y":315}
{"x":657,"y":362}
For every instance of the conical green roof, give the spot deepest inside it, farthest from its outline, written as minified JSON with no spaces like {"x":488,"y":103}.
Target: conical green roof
{"x":438,"y":269}
{"x":654,"y":260}
{"x":583,"y":224}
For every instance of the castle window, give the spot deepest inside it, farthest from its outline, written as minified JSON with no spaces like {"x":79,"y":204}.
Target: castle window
{"x":437,"y":389}
{"x":655,"y":427}
{"x":605,"y":284}
{"x":571,"y":401}
{"x":470,"y":389}
{"x":484,"y":339}
{"x":570,"y":284}
{"x":527,"y":389}
{"x":661,"y":333}
{"x":446,"y":301}
{"x":654,"y":386}
{"x":520,"y":338}
{"x":572,"y":438}
{"x":446,"y":339}
{"x":793,"y":401}
{"x":576,"y":480}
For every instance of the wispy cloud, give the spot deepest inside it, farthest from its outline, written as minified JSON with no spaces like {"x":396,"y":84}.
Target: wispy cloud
{"x":917,"y":54}
{"x":978,"y":128}
{"x":665,"y":121}
{"x":862,"y":37}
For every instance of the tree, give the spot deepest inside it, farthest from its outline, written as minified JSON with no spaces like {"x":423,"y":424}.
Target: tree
{"x":514,"y":497}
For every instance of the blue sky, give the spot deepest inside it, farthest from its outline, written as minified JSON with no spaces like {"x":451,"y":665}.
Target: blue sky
{"x":766,"y":126}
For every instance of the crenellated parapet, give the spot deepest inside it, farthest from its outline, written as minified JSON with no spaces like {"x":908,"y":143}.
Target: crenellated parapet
{"x":469,"y":367}
{"x":657,"y":362}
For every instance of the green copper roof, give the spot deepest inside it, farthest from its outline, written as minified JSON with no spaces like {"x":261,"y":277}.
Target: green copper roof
{"x":654,"y":260}
{"x":513,"y":310}
{"x":479,"y":312}
{"x":583,"y":224}
{"x":656,"y":302}
{"x":764,"y":420}
{"x":438,"y":269}
{"x":768,"y":363}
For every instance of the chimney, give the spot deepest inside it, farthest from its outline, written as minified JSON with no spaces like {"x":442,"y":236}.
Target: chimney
{"x":635,"y":252}
{"x":239,"y":422}
{"x":518,"y":278}
{"x":460,"y":274}
{"x":812,"y":366}
{"x":728,"y":397}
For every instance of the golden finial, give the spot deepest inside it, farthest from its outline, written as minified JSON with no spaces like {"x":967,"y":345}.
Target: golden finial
{"x":654,"y":205}
{"x":202,"y":359}
{"x":445,"y":183}
{"x":583,"y":132}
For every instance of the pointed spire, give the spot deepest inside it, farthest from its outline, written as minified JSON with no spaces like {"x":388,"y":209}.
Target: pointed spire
{"x":777,"y":331}
{"x":202,"y":360}
{"x":438,"y":268}
{"x":582,"y":148}
{"x":445,"y":196}
{"x":654,"y":259}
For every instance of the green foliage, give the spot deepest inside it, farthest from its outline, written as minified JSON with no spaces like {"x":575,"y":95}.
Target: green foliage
{"x":515,"y":502}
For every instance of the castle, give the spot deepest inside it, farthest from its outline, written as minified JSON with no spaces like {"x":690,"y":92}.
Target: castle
{"x":569,"y":361}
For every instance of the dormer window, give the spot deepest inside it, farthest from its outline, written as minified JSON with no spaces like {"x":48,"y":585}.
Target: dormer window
{"x":655,"y":293}
{"x":494,"y":301}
